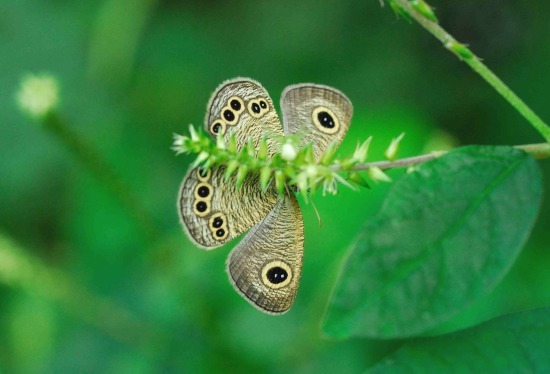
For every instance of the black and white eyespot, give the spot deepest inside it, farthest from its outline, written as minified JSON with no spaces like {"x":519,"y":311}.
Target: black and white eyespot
{"x":217,"y":220}
{"x":204,"y":191}
{"x":217,"y":127}
{"x":325,"y":120}
{"x":276,"y":274}
{"x":218,"y":226}
{"x":229,"y":116}
{"x":237,"y":104}
{"x":201,"y":207}
{"x":221,"y":233}
{"x":204,"y":175}
{"x":254,"y":107}
{"x":257,"y":108}
{"x":231,"y":113}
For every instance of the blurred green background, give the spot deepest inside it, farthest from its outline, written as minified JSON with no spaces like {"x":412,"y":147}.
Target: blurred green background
{"x":83,"y":289}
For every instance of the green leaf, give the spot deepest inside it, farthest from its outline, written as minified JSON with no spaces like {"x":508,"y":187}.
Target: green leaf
{"x":445,"y":236}
{"x":357,"y":178}
{"x":517,"y":343}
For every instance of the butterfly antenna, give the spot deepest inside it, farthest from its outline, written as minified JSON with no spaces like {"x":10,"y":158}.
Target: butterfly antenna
{"x":317,"y":213}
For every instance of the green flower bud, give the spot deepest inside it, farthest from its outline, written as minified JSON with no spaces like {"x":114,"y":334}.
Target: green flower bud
{"x":376,"y":174}
{"x":265,"y":177}
{"x":391,"y":152}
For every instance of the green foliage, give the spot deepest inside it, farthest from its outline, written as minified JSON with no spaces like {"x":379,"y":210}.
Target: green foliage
{"x":516,"y":343}
{"x":96,"y":274}
{"x":288,"y":166}
{"x":445,"y":236}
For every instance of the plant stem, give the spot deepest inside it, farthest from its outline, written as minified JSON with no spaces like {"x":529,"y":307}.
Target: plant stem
{"x":539,"y":151}
{"x":465,"y":54}
{"x":91,"y":159}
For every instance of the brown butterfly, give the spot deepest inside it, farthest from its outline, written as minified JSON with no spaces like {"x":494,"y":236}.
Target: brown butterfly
{"x":265,"y":267}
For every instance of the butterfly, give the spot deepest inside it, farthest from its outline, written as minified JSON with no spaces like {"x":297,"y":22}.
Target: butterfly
{"x":265,"y":267}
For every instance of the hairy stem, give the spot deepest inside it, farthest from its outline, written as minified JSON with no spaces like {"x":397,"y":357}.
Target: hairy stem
{"x":466,"y":55}
{"x":539,"y":151}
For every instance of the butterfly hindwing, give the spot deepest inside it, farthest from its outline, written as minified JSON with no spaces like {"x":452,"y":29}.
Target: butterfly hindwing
{"x":321,"y":114}
{"x":265,"y":267}
{"x":214,"y":211}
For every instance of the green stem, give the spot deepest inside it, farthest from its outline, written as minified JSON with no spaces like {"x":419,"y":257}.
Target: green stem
{"x":465,"y":54}
{"x":539,"y":151}
{"x":91,"y":159}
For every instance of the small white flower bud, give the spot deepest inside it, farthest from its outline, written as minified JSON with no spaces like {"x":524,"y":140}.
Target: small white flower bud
{"x":178,"y":140}
{"x":311,"y":171}
{"x":288,"y":152}
{"x":38,"y":95}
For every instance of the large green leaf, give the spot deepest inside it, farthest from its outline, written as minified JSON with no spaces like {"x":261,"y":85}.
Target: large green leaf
{"x":446,"y":235}
{"x":517,"y":343}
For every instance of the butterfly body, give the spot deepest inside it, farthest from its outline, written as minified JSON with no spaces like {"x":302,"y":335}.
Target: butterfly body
{"x":265,"y":267}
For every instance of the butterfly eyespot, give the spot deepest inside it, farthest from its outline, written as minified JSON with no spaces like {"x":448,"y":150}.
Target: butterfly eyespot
{"x":254,"y":109}
{"x":276,"y":274}
{"x":220,"y":234}
{"x":228,"y":115}
{"x":203,"y":191}
{"x":217,"y":127}
{"x":218,"y":222}
{"x":325,"y":120}
{"x":237,"y":104}
{"x":203,"y":175}
{"x":201,"y":208}
{"x":218,"y":226}
{"x":263,"y":104}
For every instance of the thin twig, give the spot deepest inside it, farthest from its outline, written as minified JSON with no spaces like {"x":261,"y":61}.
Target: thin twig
{"x":466,"y":55}
{"x":539,"y":151}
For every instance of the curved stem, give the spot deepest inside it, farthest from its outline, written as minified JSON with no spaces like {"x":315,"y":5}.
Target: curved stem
{"x":466,"y":55}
